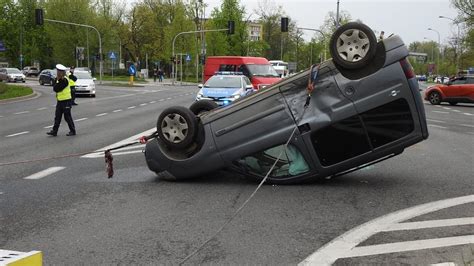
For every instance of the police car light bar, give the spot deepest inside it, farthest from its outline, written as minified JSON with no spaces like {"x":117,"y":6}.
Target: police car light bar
{"x":227,"y":73}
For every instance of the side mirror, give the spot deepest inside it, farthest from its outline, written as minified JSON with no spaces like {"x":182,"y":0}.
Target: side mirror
{"x":249,"y":87}
{"x":200,"y":86}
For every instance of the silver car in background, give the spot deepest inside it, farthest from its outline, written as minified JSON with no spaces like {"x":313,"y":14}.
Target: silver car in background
{"x":85,"y":84}
{"x":12,"y":75}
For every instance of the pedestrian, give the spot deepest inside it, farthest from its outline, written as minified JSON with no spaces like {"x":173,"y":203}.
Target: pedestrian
{"x":155,"y":73}
{"x":72,"y":83}
{"x":381,"y":35}
{"x":160,"y":75}
{"x":442,"y":80}
{"x":64,"y":99}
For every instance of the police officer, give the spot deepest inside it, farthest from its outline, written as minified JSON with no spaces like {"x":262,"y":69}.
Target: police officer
{"x":72,"y":83}
{"x":63,"y":106}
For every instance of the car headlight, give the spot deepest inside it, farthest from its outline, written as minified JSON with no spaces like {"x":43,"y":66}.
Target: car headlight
{"x":23,"y":76}
{"x":236,"y":96}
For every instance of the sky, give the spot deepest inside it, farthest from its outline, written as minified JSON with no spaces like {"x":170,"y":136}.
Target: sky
{"x":408,"y":19}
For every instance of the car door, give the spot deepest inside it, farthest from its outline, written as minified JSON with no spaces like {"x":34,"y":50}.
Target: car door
{"x":385,"y":100}
{"x":456,"y":88}
{"x":469,"y":88}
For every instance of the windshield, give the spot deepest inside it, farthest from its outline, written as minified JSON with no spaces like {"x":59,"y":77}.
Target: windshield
{"x":223,"y":82}
{"x":83,"y":75}
{"x":262,"y":70}
{"x":13,"y":71}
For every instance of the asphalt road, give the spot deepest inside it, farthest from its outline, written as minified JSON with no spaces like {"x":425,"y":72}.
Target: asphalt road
{"x":75,"y":215}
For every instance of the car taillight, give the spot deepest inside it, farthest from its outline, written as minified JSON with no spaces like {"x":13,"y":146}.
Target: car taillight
{"x":407,"y":68}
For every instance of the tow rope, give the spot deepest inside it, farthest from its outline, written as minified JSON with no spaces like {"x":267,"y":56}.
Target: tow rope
{"x":107,"y":154}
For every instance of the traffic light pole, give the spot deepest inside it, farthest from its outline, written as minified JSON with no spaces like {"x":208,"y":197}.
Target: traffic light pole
{"x":174,"y":66}
{"x":100,"y":41}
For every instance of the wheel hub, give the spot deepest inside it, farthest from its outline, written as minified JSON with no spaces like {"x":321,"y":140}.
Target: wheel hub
{"x":174,"y":128}
{"x":353,"y":45}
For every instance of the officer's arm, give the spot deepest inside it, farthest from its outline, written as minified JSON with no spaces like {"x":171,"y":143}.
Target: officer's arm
{"x":60,"y":85}
{"x":74,"y":78}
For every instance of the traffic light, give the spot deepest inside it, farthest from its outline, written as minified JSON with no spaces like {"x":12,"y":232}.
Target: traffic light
{"x":39,"y":20}
{"x":230,"y":27}
{"x":284,"y":24}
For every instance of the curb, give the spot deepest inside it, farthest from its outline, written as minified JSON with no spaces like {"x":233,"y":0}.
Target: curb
{"x":32,"y":96}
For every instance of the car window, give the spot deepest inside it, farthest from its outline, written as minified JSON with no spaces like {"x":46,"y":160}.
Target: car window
{"x":223,"y":82}
{"x":247,"y":81}
{"x":470,"y":81}
{"x":262,"y":70}
{"x":291,"y":162}
{"x":459,"y":81}
{"x":83,"y":75}
{"x":14,"y":71}
{"x":230,"y":68}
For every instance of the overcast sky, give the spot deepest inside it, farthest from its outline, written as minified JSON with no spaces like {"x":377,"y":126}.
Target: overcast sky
{"x":409,"y":19}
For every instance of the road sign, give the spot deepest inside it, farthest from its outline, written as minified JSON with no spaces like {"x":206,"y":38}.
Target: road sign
{"x":112,"y":55}
{"x":188,"y":58}
{"x":80,"y":53}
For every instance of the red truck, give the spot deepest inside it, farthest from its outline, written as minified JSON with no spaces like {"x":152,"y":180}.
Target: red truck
{"x":258,"y":69}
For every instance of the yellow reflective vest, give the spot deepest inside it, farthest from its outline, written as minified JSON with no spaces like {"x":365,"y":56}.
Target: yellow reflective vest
{"x":72,"y":83}
{"x":65,"y":94}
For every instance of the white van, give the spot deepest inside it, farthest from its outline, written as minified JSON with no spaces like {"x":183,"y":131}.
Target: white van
{"x":280,"y":67}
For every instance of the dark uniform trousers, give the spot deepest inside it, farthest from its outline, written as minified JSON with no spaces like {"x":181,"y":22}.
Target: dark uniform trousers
{"x":63,"y":107}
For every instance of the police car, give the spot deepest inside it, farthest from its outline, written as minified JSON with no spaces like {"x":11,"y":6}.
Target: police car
{"x":225,"y":87}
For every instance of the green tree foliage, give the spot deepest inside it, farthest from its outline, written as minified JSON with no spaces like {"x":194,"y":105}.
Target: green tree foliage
{"x":219,"y":43}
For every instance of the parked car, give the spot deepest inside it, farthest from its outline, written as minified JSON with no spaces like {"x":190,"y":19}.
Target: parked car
{"x":459,"y":90}
{"x":225,"y":87}
{"x":364,"y":107}
{"x":30,"y":71}
{"x":441,"y":79}
{"x":421,"y":77}
{"x":260,"y":72}
{"x":47,"y":76}
{"x":85,"y":84}
{"x":11,"y":75}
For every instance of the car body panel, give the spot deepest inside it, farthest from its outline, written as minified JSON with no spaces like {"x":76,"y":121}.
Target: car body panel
{"x":47,"y":76}
{"x":11,"y":75}
{"x":85,"y":84}
{"x":349,"y":122}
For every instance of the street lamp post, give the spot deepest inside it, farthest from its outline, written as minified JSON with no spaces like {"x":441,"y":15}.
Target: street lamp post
{"x":439,"y":47}
{"x":458,"y":42}
{"x":98,"y":34}
{"x":322,"y":34}
{"x":432,"y":48}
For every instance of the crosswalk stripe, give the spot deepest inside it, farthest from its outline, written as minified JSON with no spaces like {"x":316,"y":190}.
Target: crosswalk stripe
{"x":45,"y":172}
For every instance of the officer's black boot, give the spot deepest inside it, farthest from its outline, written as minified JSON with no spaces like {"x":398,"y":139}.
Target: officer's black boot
{"x":52,"y":133}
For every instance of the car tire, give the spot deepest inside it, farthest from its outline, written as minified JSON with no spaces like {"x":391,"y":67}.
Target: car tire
{"x":202,"y":106}
{"x":453,"y":103}
{"x":41,"y":82}
{"x":353,"y":45}
{"x":177,"y":127}
{"x":434,"y":98}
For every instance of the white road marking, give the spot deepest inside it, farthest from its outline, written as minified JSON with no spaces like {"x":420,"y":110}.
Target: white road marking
{"x":101,"y":114}
{"x":142,"y":104}
{"x":18,"y":134}
{"x":440,"y":112}
{"x":457,"y":111}
{"x":446,"y":108}
{"x":42,"y":108}
{"x":160,"y":100}
{"x":1,"y":193}
{"x":116,"y":111}
{"x":152,"y":102}
{"x":1,"y":116}
{"x":465,"y":125}
{"x":127,"y":140}
{"x":430,"y":224}
{"x":409,"y":246}
{"x":131,"y":107}
{"x":467,"y":114}
{"x":49,"y":126}
{"x":430,"y":125}
{"x":436,"y":121}
{"x":444,"y":264}
{"x":45,"y":172}
{"x":169,"y":98}
{"x":81,"y":119}
{"x":19,"y":113}
{"x":344,"y":244}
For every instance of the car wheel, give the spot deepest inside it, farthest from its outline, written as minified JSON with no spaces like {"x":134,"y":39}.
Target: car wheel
{"x":41,"y":82}
{"x":353,"y":45}
{"x":453,"y":103}
{"x":434,"y":98}
{"x":202,"y":106}
{"x":177,"y":127}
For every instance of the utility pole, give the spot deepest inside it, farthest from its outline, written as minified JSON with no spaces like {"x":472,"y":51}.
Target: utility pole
{"x":337,"y":15}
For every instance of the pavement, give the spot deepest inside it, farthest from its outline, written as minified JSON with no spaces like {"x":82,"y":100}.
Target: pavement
{"x":415,"y":208}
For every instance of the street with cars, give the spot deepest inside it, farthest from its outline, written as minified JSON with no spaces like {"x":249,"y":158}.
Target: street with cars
{"x":414,"y":208}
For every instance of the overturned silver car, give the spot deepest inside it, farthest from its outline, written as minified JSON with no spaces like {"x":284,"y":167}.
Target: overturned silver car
{"x":365,"y":107}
